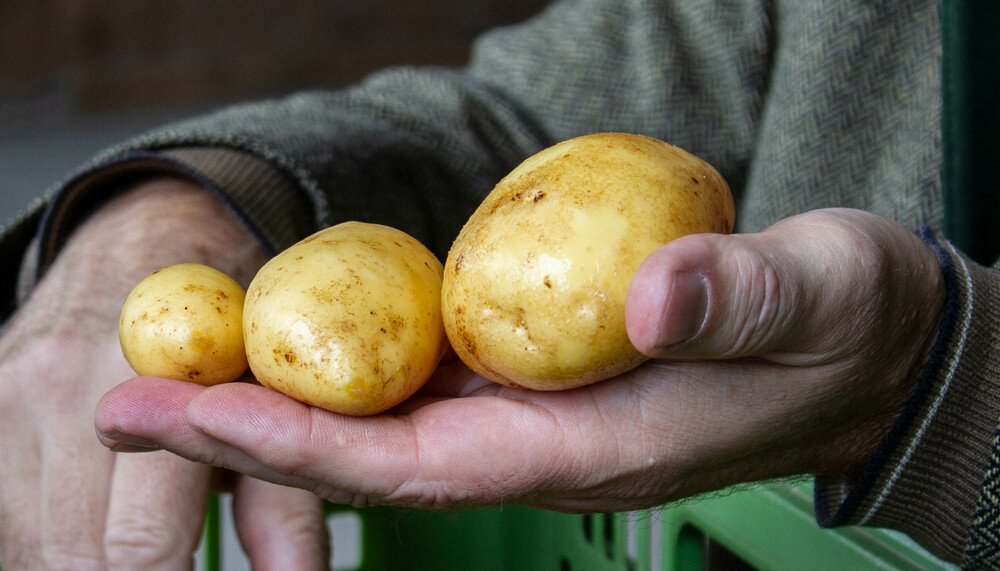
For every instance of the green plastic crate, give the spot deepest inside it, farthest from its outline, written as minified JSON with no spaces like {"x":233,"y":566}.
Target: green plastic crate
{"x":770,"y":526}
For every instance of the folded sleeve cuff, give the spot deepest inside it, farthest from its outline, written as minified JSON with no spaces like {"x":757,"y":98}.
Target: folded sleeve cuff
{"x":18,"y":245}
{"x":275,"y":211}
{"x":927,"y":476}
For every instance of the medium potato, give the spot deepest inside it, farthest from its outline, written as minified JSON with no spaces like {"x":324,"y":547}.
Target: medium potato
{"x":348,"y":319}
{"x":184,"y":322}
{"x":534,"y":285}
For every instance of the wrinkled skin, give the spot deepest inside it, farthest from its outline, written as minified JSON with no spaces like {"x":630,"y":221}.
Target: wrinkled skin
{"x":788,"y":351}
{"x":66,"y":502}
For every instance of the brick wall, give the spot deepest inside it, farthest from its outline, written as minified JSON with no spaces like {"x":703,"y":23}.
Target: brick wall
{"x":103,"y":55}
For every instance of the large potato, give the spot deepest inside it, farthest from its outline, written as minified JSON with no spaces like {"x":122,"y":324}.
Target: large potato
{"x":348,"y":319}
{"x":534,"y":285}
{"x":184,"y":322}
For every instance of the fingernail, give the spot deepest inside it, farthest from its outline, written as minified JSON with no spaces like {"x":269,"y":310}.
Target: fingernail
{"x":687,"y":307}
{"x":129,"y":443}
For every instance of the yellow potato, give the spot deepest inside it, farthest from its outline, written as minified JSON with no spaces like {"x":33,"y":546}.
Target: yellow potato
{"x":534,"y":285}
{"x":184,"y":322}
{"x":348,"y":319}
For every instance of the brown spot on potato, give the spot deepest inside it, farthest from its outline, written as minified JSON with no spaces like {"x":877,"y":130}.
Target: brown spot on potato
{"x":396,"y":325}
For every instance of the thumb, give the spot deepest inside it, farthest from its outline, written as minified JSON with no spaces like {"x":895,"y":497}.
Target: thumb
{"x":717,"y":296}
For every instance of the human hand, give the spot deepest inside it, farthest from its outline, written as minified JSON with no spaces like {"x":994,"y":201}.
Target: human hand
{"x":788,"y":351}
{"x":66,"y":502}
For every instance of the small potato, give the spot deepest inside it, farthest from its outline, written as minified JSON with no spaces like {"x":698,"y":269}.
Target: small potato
{"x":348,"y":319}
{"x":534,"y":285}
{"x":184,"y":322}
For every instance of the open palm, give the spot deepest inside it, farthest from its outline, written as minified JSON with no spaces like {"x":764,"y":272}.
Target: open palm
{"x":771,"y":357}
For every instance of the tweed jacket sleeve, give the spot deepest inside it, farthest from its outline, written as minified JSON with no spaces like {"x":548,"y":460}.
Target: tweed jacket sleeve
{"x":419,"y":148}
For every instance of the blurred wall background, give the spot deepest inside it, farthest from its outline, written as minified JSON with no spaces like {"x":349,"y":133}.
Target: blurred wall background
{"x":76,"y":75}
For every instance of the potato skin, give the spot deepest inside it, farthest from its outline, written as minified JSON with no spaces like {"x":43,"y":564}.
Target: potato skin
{"x":534,"y":286}
{"x":184,"y":322}
{"x":348,"y":319}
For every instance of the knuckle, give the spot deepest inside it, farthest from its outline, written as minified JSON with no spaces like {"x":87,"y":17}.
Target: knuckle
{"x":416,"y":492}
{"x":302,"y":521}
{"x":432,"y":497}
{"x":859,"y":264}
{"x":762,"y":306}
{"x":144,"y":545}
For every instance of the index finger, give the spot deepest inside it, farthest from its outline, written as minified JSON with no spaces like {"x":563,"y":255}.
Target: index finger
{"x":449,"y":453}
